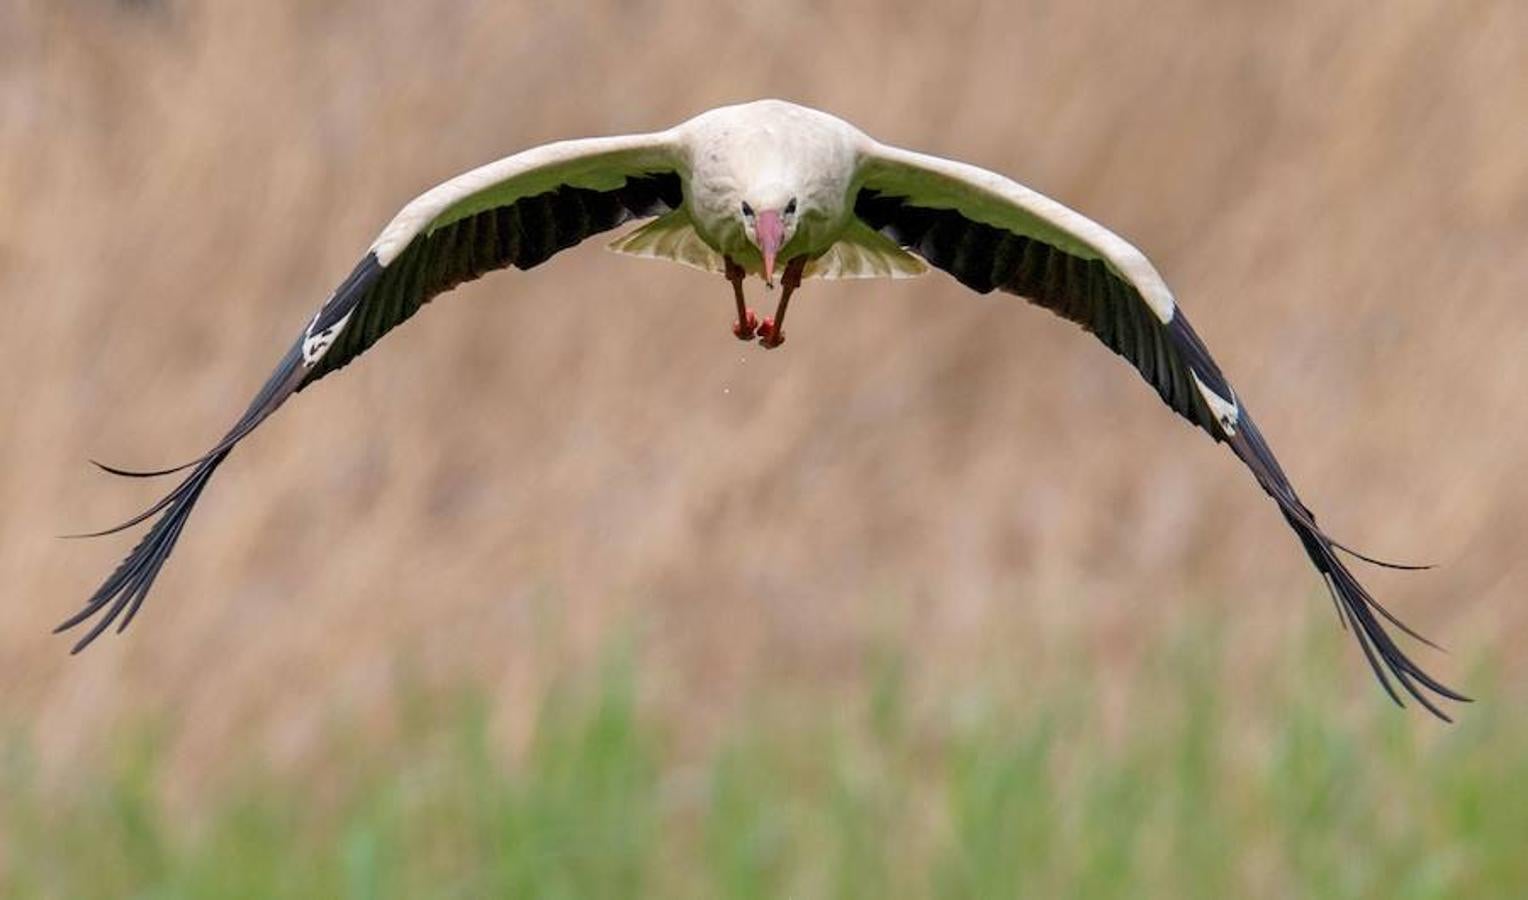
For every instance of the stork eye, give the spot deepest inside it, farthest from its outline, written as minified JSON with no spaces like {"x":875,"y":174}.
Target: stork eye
{"x":790,"y":208}
{"x":747,"y":210}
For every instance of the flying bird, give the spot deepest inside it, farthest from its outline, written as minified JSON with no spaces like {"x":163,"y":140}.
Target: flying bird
{"x":772,"y":189}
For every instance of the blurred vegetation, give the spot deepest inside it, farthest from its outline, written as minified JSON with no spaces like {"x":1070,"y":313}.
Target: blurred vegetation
{"x":992,"y":794}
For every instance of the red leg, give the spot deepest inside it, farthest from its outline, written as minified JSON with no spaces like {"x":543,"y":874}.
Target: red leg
{"x":772,"y":331}
{"x":747,"y":323}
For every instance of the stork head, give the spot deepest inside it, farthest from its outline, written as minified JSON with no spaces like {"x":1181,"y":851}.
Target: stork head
{"x":769,"y":224}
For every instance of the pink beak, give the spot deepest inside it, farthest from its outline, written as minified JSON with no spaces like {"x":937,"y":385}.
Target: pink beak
{"x":771,"y":232}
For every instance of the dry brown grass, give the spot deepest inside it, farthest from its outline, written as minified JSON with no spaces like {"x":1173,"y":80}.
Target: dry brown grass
{"x":1338,"y":195}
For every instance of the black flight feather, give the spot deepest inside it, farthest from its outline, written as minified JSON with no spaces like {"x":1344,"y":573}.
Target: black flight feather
{"x":370,"y":302}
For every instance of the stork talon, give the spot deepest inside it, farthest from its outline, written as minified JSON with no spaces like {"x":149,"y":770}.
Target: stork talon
{"x":745,"y":328}
{"x":769,"y":336}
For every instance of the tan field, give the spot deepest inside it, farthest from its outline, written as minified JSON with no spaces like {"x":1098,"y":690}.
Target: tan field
{"x":543,"y":461}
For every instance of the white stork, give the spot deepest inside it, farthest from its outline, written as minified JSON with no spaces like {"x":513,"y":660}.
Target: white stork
{"x":738,"y":191}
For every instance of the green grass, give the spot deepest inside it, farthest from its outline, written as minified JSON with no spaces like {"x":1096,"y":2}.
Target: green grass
{"x":987,"y":793}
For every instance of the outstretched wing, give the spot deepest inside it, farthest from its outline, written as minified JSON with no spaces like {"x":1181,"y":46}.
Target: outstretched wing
{"x":518,"y":211}
{"x":991,"y":233}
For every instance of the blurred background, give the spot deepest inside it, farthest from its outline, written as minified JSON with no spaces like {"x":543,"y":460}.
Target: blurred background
{"x":562,"y":590}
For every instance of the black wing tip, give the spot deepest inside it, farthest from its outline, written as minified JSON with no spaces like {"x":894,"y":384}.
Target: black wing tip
{"x":1357,"y":607}
{"x":167,"y":500}
{"x":126,"y":588}
{"x":1385,"y":657}
{"x":1384,"y":564}
{"x":123,"y":526}
{"x":141,"y":473}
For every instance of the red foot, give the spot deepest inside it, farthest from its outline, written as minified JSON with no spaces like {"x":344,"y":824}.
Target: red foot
{"x":769,"y":338}
{"x":745,"y":329}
